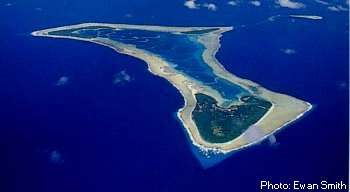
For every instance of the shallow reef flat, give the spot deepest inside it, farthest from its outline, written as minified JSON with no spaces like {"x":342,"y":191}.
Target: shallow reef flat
{"x":222,"y":112}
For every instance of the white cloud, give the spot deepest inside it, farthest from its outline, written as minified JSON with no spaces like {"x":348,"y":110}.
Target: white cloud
{"x":272,"y":140}
{"x":256,"y":3}
{"x":128,"y":15}
{"x":121,"y":77}
{"x":232,"y":3}
{"x":342,"y":85}
{"x":254,"y":133}
{"x":290,"y":4}
{"x":62,"y":81}
{"x":337,"y":8}
{"x":288,"y":51}
{"x":9,"y":4}
{"x":191,"y":4}
{"x":333,"y":8}
{"x":322,"y":2}
{"x":210,"y":6}
{"x":55,"y":158}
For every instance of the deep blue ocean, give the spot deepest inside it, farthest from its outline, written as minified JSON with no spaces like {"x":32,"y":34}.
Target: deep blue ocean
{"x":91,"y":134}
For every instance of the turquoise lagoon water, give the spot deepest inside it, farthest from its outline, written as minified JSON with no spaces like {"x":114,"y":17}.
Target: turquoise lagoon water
{"x":182,"y":51}
{"x":124,"y":138}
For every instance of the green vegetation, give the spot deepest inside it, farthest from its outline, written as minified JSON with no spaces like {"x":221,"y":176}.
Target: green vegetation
{"x":219,"y":125}
{"x":200,"y":32}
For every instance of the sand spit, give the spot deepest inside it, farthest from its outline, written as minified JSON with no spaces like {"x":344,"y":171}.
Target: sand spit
{"x":313,"y":17}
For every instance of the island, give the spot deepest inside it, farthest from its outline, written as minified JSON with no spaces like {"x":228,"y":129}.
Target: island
{"x":313,"y":17}
{"x":222,"y":112}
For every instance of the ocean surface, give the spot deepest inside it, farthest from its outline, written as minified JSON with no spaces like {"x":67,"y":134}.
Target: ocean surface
{"x":76,"y":116}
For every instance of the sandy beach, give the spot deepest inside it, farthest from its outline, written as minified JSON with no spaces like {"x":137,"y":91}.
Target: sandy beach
{"x":285,"y":109}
